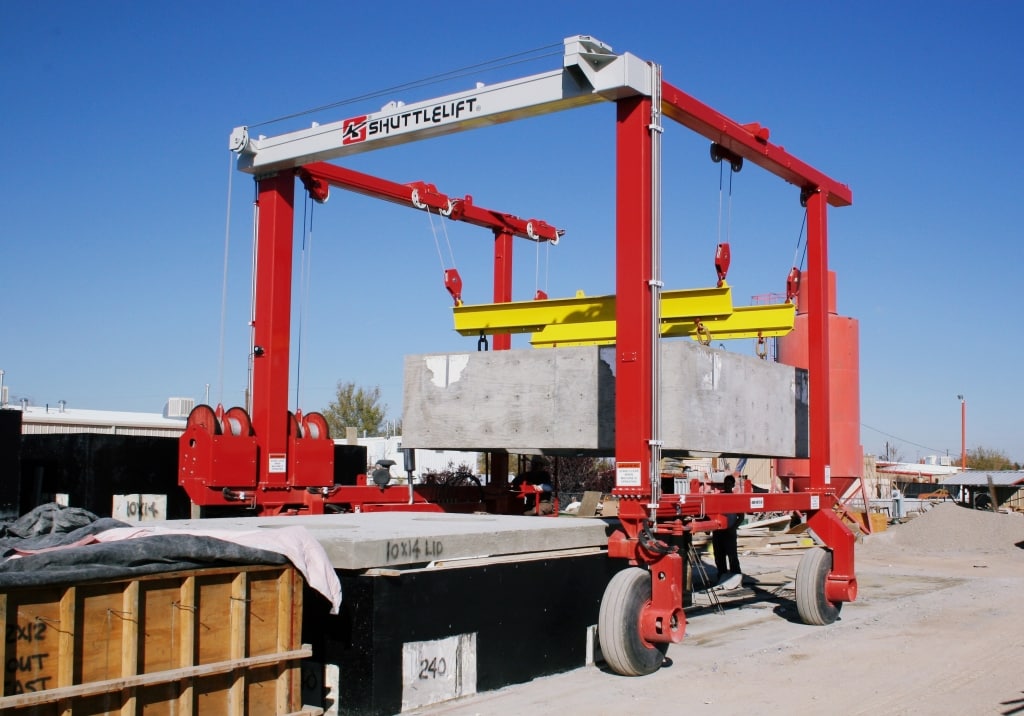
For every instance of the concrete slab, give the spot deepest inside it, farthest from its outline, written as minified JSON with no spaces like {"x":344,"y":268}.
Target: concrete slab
{"x":399,"y":540}
{"x":562,"y":401}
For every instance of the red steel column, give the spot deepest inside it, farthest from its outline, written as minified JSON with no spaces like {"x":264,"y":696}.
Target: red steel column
{"x":818,"y":339}
{"x":503,"y":240}
{"x":633,"y":307}
{"x":272,"y":329}
{"x":841,"y":584}
{"x":502,"y":279}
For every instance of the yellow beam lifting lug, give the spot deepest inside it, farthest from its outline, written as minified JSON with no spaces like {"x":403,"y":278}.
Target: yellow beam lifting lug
{"x":767,"y":321}
{"x":744,"y":322}
{"x":585,"y":312}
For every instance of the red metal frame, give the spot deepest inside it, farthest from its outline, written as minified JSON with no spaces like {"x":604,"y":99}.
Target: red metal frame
{"x":749,"y":141}
{"x":633,"y":305}
{"x":272,"y":327}
{"x":285,"y":462}
{"x":661,"y":620}
{"x":319,"y":175}
{"x":642,"y":525}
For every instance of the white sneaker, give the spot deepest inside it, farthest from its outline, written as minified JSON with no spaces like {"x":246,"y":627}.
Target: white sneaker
{"x":730,"y":581}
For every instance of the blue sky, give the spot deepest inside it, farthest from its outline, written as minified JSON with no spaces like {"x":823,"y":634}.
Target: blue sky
{"x":116,"y":115}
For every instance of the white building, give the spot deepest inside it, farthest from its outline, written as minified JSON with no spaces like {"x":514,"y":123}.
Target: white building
{"x":60,"y":419}
{"x":931,"y":469}
{"x":426,"y":460}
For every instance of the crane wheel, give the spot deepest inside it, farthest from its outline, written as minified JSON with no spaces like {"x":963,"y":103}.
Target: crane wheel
{"x":618,"y":627}
{"x":811,"y":574}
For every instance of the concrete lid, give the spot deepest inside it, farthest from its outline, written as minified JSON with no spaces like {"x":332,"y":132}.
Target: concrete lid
{"x":399,"y":539}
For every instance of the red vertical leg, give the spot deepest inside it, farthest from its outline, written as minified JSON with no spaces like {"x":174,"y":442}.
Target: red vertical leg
{"x":841,"y":584}
{"x":502,"y":342}
{"x":818,"y":343}
{"x":502,"y":279}
{"x":272,"y":331}
{"x":633,"y":309}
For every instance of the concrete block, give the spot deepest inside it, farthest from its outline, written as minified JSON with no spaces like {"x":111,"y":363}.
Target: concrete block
{"x":563,"y":401}
{"x":717,"y":402}
{"x":398,"y":540}
{"x":552,"y":399}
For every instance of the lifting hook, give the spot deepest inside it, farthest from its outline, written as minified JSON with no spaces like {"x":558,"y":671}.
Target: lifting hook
{"x":792,"y":284}
{"x":453,"y":282}
{"x":723,"y":256}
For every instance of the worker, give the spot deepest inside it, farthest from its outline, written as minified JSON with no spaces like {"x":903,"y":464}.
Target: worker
{"x":723,"y":541}
{"x":538,"y":500}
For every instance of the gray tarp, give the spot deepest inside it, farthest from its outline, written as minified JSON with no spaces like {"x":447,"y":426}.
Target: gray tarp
{"x":57,"y":532}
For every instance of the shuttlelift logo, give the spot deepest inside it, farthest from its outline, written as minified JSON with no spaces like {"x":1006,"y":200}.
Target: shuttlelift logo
{"x":358,"y":129}
{"x":353,"y":130}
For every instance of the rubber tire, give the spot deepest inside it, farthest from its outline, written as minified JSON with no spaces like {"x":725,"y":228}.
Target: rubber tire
{"x":618,"y":626}
{"x":811,"y":574}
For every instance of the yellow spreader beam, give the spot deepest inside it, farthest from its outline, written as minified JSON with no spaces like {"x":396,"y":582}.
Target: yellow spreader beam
{"x":743,"y":322}
{"x":702,"y":313}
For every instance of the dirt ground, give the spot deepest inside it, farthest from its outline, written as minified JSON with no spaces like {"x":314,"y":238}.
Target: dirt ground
{"x":938,"y":628}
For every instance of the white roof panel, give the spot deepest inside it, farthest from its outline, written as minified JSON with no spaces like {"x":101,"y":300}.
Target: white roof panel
{"x":1000,"y":478}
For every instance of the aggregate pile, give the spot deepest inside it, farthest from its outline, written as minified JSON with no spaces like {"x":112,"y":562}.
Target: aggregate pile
{"x":950,"y":528}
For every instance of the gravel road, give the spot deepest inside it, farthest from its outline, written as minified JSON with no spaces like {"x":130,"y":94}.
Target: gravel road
{"x":938,"y":628}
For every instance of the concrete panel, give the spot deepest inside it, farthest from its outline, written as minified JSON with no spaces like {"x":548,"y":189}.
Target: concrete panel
{"x":509,"y":399}
{"x":400,"y":539}
{"x":719,"y":402}
{"x":563,"y":401}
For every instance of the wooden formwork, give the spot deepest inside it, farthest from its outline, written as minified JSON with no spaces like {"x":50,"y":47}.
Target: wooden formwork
{"x":210,"y":641}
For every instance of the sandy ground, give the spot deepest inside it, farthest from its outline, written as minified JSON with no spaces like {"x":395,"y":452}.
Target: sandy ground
{"x":938,"y":628}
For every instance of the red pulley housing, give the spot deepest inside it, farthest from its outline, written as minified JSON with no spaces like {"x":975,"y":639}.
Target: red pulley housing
{"x":846,"y":453}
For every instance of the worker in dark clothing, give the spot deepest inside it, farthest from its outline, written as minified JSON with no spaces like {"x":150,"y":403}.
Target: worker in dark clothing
{"x":539,"y":500}
{"x":723,"y":542}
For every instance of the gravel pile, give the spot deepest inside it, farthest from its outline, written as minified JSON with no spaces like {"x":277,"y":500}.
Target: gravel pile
{"x":951,"y":528}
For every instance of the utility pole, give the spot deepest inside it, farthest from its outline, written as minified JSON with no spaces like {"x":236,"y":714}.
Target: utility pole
{"x":963,"y":432}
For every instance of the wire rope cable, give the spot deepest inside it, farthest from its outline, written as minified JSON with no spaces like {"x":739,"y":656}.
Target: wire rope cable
{"x":799,"y":239}
{"x":437,"y":241}
{"x":536,"y":268}
{"x":224,"y":283}
{"x":447,"y":239}
{"x":537,"y":285}
{"x":547,"y":265}
{"x":720,"y":182}
{"x":517,"y":58}
{"x":727,"y":204}
{"x":728,"y":219}
{"x":305,"y":279}
{"x":437,"y":244}
{"x":252,"y":291}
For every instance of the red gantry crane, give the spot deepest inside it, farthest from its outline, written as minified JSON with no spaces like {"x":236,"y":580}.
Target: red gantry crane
{"x":284,"y":456}
{"x":279,"y":462}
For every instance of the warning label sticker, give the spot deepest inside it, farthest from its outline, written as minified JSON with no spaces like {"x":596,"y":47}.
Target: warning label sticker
{"x":627,"y":474}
